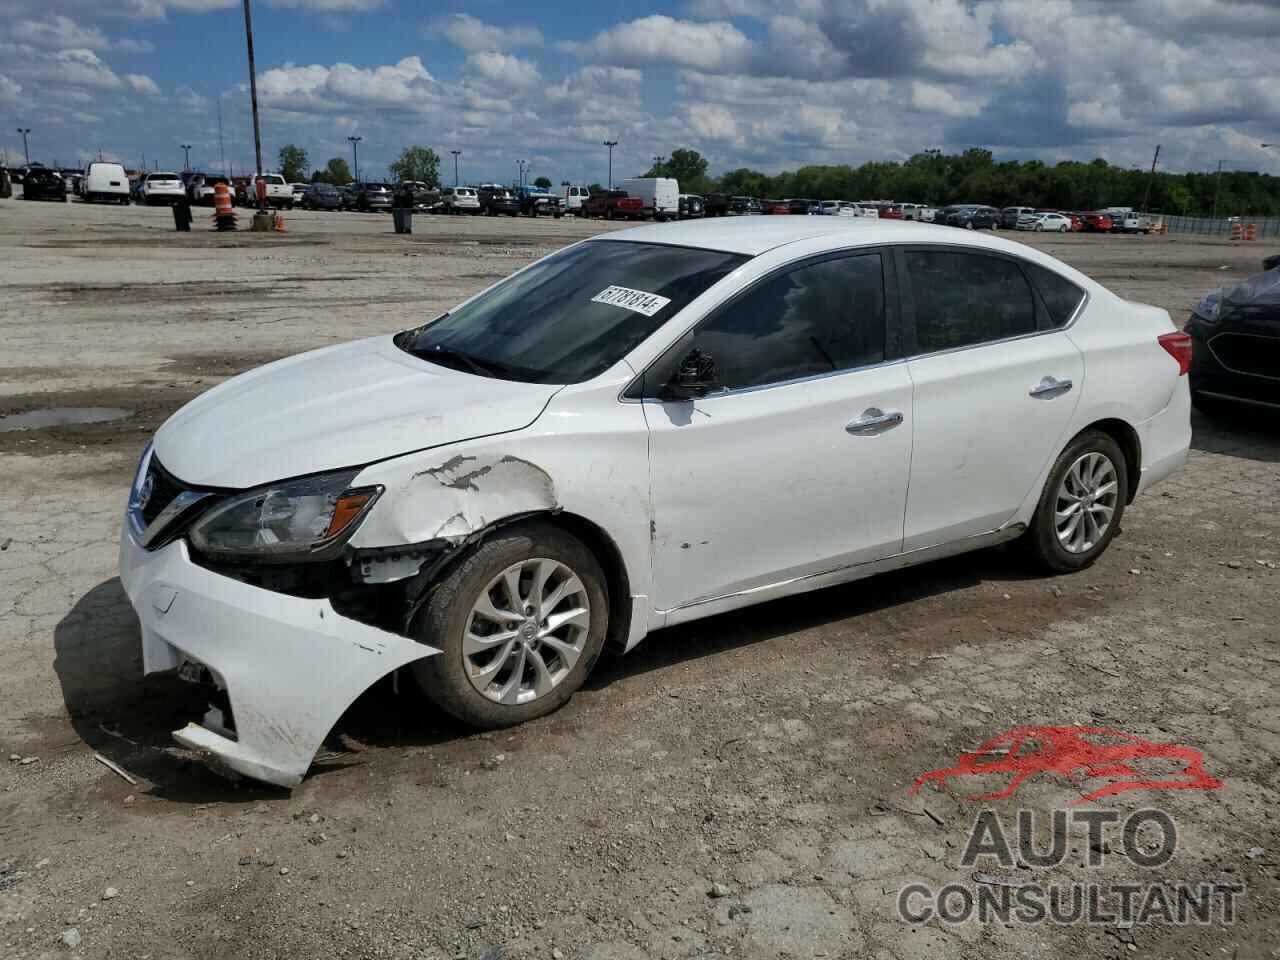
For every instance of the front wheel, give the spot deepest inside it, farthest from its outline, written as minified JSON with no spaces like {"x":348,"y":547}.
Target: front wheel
{"x":519,"y":623}
{"x":1063,"y":229}
{"x":968,"y":224}
{"x":1081,"y":505}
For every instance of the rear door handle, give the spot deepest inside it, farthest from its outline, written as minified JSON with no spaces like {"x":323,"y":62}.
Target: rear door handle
{"x":873,"y":421}
{"x":1050,"y":387}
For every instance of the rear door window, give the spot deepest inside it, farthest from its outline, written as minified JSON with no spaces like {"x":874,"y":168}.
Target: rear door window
{"x":963,"y":299}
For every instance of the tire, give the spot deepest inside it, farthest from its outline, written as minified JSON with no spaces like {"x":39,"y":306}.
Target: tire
{"x":968,"y":224}
{"x":449,"y":613}
{"x":1039,"y":228}
{"x":1042,"y":540}
{"x":1063,"y":229}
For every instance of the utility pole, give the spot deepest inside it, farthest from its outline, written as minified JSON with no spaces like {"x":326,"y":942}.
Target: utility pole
{"x":27,"y":153}
{"x":1217,"y":190}
{"x":1146,"y":197}
{"x":456,"y":154}
{"x":355,"y":158}
{"x":253,"y":96}
{"x":520,"y":166}
{"x":610,"y":144}
{"x":186,"y":156}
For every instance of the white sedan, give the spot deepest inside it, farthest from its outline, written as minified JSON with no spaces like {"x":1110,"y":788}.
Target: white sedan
{"x":642,"y":429}
{"x":1040,"y":222}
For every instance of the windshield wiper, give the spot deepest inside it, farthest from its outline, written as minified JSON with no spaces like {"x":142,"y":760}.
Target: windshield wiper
{"x":450,"y":357}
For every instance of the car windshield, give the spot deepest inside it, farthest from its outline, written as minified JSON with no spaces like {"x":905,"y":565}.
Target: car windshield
{"x":573,"y":315}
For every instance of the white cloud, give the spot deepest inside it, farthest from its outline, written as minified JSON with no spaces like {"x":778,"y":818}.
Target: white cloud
{"x":330,"y":6}
{"x":504,"y":69}
{"x":474,"y":35}
{"x":190,"y":101}
{"x":9,"y":89}
{"x":142,"y":84}
{"x":329,"y":88}
{"x":713,"y":46}
{"x":82,"y":68}
{"x":58,"y":32}
{"x":932,"y":98}
{"x":713,"y":121}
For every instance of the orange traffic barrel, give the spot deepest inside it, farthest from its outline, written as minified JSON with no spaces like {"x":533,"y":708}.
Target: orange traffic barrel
{"x":1237,"y":231}
{"x":1251,"y":231}
{"x":221,"y":200}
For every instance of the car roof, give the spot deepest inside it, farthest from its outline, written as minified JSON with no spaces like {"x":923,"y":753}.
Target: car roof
{"x":755,"y":236}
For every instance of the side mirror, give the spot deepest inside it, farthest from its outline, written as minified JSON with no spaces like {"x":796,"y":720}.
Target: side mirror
{"x":695,"y":376}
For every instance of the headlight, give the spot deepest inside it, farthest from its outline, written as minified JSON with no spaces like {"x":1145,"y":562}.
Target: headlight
{"x":307,"y":519}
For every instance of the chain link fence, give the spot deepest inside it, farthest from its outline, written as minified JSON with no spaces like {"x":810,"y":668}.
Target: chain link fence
{"x":1268,"y":227}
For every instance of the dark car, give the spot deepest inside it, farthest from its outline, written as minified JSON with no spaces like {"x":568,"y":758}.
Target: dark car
{"x":716,"y":204}
{"x":745,"y":205}
{"x":537,"y":202}
{"x":497,"y":200}
{"x":321,"y":196}
{"x":969,"y":216}
{"x":41,"y":183}
{"x":803,"y":207}
{"x":371,"y":196}
{"x":1009,"y":216}
{"x":1235,"y":346}
{"x":425,"y":198}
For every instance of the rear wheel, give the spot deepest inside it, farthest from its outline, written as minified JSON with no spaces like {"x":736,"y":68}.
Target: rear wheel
{"x":1081,"y":505}
{"x":519,"y":623}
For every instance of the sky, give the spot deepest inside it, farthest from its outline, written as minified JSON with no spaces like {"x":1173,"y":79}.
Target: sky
{"x":770,"y":85}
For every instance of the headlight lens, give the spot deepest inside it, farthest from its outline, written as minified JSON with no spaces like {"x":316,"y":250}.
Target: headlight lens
{"x":299,"y":519}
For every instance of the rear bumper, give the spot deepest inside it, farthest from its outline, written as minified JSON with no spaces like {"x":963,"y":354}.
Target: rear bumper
{"x":290,"y":666}
{"x":1165,"y":438}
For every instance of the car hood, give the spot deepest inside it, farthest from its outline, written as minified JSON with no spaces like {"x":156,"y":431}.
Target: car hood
{"x":337,"y":407}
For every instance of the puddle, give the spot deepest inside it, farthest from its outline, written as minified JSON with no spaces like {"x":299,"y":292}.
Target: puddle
{"x":61,"y":417}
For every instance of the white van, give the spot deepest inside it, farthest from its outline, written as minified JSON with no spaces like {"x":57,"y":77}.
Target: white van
{"x":105,"y":182}
{"x":661,"y":195}
{"x":573,"y":197}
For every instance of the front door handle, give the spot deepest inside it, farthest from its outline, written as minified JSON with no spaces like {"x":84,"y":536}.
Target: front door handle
{"x":873,"y":421}
{"x":1050,"y":387}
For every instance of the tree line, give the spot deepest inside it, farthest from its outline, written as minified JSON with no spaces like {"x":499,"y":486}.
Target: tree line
{"x":932,"y":177}
{"x":974,"y":176}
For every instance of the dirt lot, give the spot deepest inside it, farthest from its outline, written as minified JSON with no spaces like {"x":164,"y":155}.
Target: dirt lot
{"x":770,"y":752}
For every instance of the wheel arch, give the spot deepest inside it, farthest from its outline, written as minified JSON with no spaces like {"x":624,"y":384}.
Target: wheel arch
{"x":594,"y":537}
{"x":1126,"y":437}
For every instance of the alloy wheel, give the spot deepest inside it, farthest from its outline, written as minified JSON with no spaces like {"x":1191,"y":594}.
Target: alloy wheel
{"x":1086,"y":502}
{"x":526,"y":631}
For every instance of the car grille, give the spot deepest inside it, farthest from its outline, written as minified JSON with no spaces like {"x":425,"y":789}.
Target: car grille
{"x":1246,"y":353}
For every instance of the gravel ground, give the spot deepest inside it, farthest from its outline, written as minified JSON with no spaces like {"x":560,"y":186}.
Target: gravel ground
{"x":737,"y":787}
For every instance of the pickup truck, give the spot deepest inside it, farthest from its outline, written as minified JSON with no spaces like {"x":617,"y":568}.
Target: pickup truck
{"x":536,"y":202}
{"x":279,"y":193}
{"x":613,"y":205}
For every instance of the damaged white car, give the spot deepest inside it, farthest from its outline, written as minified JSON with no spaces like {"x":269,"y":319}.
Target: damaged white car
{"x":642,"y":429}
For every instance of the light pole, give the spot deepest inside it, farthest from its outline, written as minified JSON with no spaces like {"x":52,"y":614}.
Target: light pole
{"x":27,"y":153}
{"x":610,"y":144}
{"x":186,"y":156}
{"x":355,"y":157}
{"x":520,"y":167}
{"x":657,"y":162}
{"x":253,"y":95}
{"x":456,"y":155}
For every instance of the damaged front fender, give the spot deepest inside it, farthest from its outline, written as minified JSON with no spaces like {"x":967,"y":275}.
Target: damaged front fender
{"x":453,"y":500}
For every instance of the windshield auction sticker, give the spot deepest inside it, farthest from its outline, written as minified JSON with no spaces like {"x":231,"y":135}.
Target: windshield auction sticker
{"x":636,"y":300}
